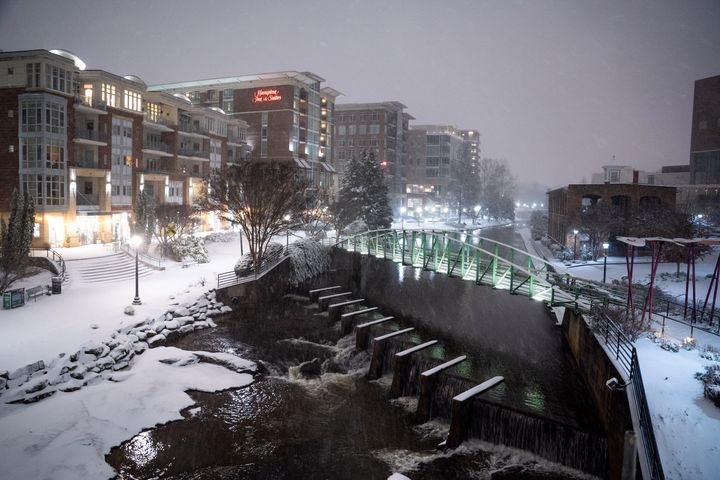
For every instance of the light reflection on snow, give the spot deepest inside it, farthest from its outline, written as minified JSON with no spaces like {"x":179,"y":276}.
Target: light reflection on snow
{"x":534,"y":398}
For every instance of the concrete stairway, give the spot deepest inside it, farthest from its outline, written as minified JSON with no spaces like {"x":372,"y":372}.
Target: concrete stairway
{"x":109,"y":268}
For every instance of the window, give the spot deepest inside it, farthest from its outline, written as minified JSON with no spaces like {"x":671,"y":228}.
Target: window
{"x":351,"y":142}
{"x":108,"y":94}
{"x":153,"y":112}
{"x":55,"y":155}
{"x":54,"y":118}
{"x":351,"y":130}
{"x":373,"y":142}
{"x":362,"y":129}
{"x":341,"y":130}
{"x":31,"y":116}
{"x":341,"y":154}
{"x":374,"y":129}
{"x":58,"y":78}
{"x":133,"y":101}
{"x":33,"y":75}
{"x":374,"y":116}
{"x":340,"y":142}
{"x":31,"y":153}
{"x":55,"y":190}
{"x":362,"y":142}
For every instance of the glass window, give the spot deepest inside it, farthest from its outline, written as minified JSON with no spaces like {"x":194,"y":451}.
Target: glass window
{"x":351,"y":130}
{"x":133,"y":101}
{"x":362,"y":129}
{"x":108,"y":94}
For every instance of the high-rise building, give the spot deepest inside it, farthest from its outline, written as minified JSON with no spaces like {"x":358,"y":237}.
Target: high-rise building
{"x":289,"y":117}
{"x":705,"y":142}
{"x":433,"y":152}
{"x":378,"y":127}
{"x":84,"y":143}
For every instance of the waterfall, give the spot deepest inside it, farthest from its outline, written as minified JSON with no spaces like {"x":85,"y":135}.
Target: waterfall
{"x":552,"y":440}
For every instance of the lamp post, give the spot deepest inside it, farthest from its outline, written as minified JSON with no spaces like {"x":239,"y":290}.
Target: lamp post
{"x":605,"y":247}
{"x":575,"y":232}
{"x":136,"y":241}
{"x":287,"y":232}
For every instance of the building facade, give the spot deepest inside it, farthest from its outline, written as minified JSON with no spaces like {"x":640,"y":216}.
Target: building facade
{"x":705,"y":142}
{"x":433,"y":152}
{"x":378,"y":127}
{"x":84,"y":143}
{"x":567,"y":203}
{"x":289,"y":117}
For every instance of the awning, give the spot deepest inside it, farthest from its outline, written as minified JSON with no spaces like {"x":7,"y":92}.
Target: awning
{"x":302,"y":163}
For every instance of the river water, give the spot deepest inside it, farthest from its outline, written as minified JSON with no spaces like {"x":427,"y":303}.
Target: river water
{"x":336,"y":425}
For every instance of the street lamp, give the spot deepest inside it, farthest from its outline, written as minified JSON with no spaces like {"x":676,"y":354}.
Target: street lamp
{"x":287,"y":232}
{"x":446,"y":210}
{"x":402,"y":217}
{"x":605,"y":247}
{"x":575,"y":232}
{"x":136,"y":241}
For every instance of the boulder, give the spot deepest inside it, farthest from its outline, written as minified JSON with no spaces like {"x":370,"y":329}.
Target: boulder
{"x":37,"y":386}
{"x":185,"y":329}
{"x":140,"y":347}
{"x":172,"y":325}
{"x":129,"y":310}
{"x":184,"y":320}
{"x":313,"y":368}
{"x":156,"y":340}
{"x":28,"y":369}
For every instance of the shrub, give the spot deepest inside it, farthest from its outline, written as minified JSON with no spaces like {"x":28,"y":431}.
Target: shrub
{"x":244,"y":266}
{"x":189,"y":247}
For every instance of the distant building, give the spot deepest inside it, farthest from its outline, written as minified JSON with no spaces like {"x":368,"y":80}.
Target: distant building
{"x":705,"y":142}
{"x":380,"y":127}
{"x":433,"y":150}
{"x":84,"y":143}
{"x":566,"y":204}
{"x":290,"y":117}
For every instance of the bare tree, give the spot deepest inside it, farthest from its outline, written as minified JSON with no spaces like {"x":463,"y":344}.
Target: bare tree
{"x":599,"y":222}
{"x":497,"y":188}
{"x":258,"y":195}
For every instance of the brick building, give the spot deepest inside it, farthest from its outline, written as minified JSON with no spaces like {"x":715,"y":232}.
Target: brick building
{"x":382,"y":128}
{"x":84,"y":143}
{"x":289,"y":117}
{"x":565,"y":204}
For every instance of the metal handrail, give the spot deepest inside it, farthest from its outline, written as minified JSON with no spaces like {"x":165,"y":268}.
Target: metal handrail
{"x":622,"y":348}
{"x":229,"y":279}
{"x":145,"y":258}
{"x":55,"y":257}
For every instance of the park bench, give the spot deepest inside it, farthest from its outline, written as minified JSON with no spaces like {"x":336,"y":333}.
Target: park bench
{"x":35,"y":292}
{"x":187,"y":261}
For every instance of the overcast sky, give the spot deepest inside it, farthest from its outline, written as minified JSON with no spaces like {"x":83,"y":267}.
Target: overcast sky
{"x":555,"y":87}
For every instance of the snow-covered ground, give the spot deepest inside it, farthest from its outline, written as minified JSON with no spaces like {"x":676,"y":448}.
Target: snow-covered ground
{"x":686,"y":424}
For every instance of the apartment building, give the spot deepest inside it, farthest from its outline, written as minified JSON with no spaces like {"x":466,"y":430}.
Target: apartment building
{"x":84,"y":143}
{"x":378,"y":127}
{"x":289,"y":116}
{"x":433,"y":151}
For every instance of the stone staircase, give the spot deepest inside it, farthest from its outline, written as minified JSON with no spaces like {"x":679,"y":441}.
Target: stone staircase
{"x":110,"y":268}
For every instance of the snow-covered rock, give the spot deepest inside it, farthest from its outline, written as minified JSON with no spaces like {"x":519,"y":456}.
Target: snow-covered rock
{"x":172,"y":325}
{"x":27,"y":370}
{"x":156,"y":340}
{"x":129,"y":310}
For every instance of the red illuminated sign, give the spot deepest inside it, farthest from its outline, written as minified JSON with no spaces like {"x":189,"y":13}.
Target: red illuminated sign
{"x":266,"y":95}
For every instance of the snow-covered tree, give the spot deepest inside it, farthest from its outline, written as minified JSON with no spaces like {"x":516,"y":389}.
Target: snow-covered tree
{"x":464,"y":186}
{"x":16,"y":239}
{"x":172,"y":222}
{"x":258,"y":195}
{"x":363,"y":194}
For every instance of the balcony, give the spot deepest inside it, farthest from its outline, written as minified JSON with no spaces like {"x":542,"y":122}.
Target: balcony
{"x":235,"y":139}
{"x":90,"y":137}
{"x":87,"y":104}
{"x":157,"y":122}
{"x":158,"y":167}
{"x":194,"y":153}
{"x":191,"y":129}
{"x":87,"y":163}
{"x":158,"y":148}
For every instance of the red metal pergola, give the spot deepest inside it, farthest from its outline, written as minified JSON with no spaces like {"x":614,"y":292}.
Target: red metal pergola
{"x":656,"y":244}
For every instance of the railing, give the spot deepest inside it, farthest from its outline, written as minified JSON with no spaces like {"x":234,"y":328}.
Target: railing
{"x":87,"y":199}
{"x":620,"y":346}
{"x":189,"y":128}
{"x":54,"y":256}
{"x":157,"y":119}
{"x":228,"y":279}
{"x":193,"y":152}
{"x":158,"y":146}
{"x":88,"y":102}
{"x":147,"y":259}
{"x":92,"y":135}
{"x":86,"y":163}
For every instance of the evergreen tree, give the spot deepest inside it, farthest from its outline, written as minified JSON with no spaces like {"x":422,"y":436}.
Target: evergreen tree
{"x":16,"y":239}
{"x":144,"y":217}
{"x":363,"y":194}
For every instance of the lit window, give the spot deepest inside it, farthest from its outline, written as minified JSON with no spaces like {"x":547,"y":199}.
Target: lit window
{"x":109,"y":95}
